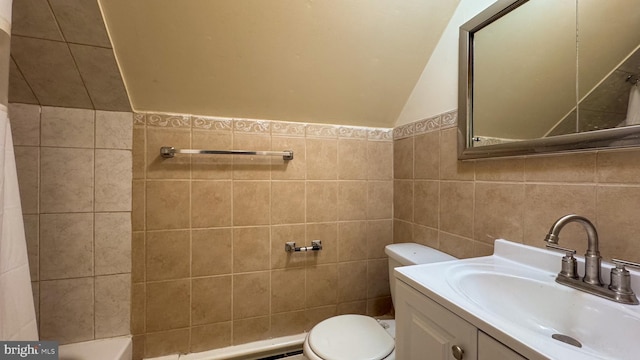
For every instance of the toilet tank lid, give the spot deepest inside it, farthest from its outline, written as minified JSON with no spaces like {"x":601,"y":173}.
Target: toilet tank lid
{"x":414,"y":254}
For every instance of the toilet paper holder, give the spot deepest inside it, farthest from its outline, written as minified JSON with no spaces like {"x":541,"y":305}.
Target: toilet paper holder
{"x":290,"y":246}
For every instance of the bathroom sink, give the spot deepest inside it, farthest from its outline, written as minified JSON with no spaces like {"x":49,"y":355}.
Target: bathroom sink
{"x":513,"y":295}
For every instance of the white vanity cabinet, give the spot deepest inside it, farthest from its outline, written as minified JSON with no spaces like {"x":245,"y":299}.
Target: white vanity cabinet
{"x":427,"y":330}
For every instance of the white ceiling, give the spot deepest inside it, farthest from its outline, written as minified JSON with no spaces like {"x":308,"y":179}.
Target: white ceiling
{"x":333,"y":61}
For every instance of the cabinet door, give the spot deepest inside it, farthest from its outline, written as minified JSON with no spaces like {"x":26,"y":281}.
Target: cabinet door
{"x":490,"y":349}
{"x":426,"y":330}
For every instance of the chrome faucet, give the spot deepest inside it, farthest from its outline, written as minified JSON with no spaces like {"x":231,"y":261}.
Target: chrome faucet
{"x":619,"y":288}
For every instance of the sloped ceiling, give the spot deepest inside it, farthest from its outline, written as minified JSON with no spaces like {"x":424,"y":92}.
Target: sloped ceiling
{"x":61,"y":56}
{"x":332,"y":61}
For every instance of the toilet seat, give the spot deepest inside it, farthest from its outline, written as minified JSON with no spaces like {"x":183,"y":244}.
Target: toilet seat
{"x":352,"y":337}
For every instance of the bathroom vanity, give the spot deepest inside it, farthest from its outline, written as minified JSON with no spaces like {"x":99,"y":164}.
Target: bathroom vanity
{"x":508,"y":306}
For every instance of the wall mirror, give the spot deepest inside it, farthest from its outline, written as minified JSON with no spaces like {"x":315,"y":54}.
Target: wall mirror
{"x":548,"y":76}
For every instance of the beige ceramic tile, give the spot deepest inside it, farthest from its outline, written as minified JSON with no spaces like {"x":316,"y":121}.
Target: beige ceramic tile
{"x":379,"y":160}
{"x":139,"y":153}
{"x":32,"y":236}
{"x":352,"y":241}
{"x":352,"y":281}
{"x":167,"y":255}
{"x":322,"y":159}
{"x":212,"y":167}
{"x":101,"y":77}
{"x":544,"y":204}
{"x":287,"y":202}
{"x":379,"y":235}
{"x":289,"y":323}
{"x":251,"y":295}
{"x":167,"y":205}
{"x":426,"y":202}
{"x":210,"y":203}
{"x":402,"y":231}
{"x":286,"y":286}
{"x":353,"y":307}
{"x":320,"y":287}
{"x":617,"y":222}
{"x":70,"y":238}
{"x":112,"y":244}
{"x":66,"y":183}
{"x":427,"y":156}
{"x":619,"y":166}
{"x":579,"y":167}
{"x":499,"y":212}
{"x":379,"y":306}
{"x":44,"y":62}
{"x":210,"y":300}
{"x":317,"y":314}
{"x":322,"y":201}
{"x":352,"y":159}
{"x":66,"y":310}
{"x":207,"y":245}
{"x":403,"y":200}
{"x":81,"y":22}
{"x":282,"y":234}
{"x":113,"y":305}
{"x":113,"y":180}
{"x":507,"y":169}
{"x":450,"y":167}
{"x":137,"y":342}
{"x":28,"y":167}
{"x":65,"y":127}
{"x":211,"y":336}
{"x":114,"y":130}
{"x":295,"y":169}
{"x":34,"y":18}
{"x":19,"y":90}
{"x":328,"y":234}
{"x":167,"y":305}
{"x":249,"y":330}
{"x":35,"y":288}
{"x":426,"y":236}
{"x":5,"y":61}
{"x":456,"y":207}
{"x":379,"y":200}
{"x":158,"y":167}
{"x":457,"y":246}
{"x":138,"y":205}
{"x":403,"y":158}
{"x":251,"y":247}
{"x":25,"y":124}
{"x":138,"y":297}
{"x":378,"y":278}
{"x":251,"y":167}
{"x":352,"y":200}
{"x":166,"y":342}
{"x":138,"y":262}
{"x":251,"y":203}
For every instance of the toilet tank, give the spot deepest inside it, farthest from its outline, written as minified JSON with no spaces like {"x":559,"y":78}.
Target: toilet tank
{"x":405,"y":254}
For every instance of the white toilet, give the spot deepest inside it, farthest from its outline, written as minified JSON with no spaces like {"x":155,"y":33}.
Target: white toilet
{"x":359,"y":337}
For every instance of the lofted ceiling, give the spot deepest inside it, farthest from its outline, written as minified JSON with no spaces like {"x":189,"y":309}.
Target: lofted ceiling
{"x":332,"y":61}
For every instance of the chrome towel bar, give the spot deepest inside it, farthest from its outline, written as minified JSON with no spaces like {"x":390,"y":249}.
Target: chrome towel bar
{"x":169,"y":152}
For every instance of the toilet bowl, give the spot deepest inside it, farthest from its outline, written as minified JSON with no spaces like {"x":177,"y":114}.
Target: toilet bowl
{"x":359,"y":337}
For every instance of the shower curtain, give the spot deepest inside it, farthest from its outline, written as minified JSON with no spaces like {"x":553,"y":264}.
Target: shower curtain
{"x":17,"y":314}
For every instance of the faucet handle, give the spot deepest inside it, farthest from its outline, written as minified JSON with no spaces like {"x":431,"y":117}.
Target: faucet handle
{"x":569,"y":264}
{"x":620,"y":282}
{"x":567,"y":251}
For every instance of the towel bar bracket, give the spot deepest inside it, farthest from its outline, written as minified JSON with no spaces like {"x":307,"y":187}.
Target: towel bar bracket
{"x":169,"y":152}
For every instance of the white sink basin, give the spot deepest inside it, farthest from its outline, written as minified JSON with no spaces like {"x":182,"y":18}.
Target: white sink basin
{"x":513,"y":295}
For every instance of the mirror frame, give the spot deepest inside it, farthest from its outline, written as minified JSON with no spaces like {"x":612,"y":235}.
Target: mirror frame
{"x":628,"y":136}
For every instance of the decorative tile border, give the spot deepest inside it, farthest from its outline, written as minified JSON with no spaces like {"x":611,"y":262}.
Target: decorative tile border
{"x":264,"y":127}
{"x":211,"y":123}
{"x":442,"y":121}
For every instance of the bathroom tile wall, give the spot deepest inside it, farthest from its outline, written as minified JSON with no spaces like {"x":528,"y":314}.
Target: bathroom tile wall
{"x":461,"y":207}
{"x":74,"y":173}
{"x":209,"y":266}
